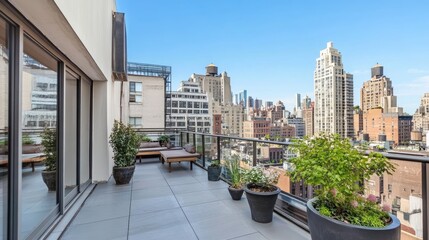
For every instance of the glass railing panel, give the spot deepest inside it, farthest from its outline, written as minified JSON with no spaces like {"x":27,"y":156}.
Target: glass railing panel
{"x":210,"y":149}
{"x":401,"y":192}
{"x":199,"y":148}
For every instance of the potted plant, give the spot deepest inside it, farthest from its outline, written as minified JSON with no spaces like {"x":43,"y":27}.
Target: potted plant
{"x":234,"y":173}
{"x":125,"y":142}
{"x":163,"y":140}
{"x":28,"y":145}
{"x":49,"y":143}
{"x":337,"y":170}
{"x":214,"y":170}
{"x":4,"y":149}
{"x":261,"y":193}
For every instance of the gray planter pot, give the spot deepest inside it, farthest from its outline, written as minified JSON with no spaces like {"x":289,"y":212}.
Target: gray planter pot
{"x":236,"y":194}
{"x":123,"y":175}
{"x":322,"y":227}
{"x":213,"y":173}
{"x":50,"y":179}
{"x":261,"y":204}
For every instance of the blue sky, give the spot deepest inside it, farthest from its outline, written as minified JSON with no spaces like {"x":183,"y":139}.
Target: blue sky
{"x":270,"y":47}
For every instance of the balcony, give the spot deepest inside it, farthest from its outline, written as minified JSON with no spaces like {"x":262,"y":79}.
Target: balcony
{"x":182,"y":204}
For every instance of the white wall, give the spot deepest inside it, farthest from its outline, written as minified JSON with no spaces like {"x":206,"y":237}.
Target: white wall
{"x":152,"y":107}
{"x":92,"y":22}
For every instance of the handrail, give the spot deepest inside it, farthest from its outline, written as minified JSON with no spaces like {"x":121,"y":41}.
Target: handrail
{"x":294,"y":212}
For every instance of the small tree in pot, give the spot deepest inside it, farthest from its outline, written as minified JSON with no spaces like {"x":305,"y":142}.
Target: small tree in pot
{"x":125,"y":142}
{"x":163,"y":140}
{"x":338,"y":170}
{"x":235,"y":173}
{"x":261,"y":192}
{"x":49,"y":143}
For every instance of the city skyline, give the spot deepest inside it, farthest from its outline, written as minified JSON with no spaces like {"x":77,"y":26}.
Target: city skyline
{"x":276,"y":44}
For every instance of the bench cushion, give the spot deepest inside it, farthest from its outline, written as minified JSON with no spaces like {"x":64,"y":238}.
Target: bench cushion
{"x":150,"y":145}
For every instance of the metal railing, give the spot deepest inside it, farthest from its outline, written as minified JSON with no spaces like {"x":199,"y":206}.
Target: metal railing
{"x":291,"y":203}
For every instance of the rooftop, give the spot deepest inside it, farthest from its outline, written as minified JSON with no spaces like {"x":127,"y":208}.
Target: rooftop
{"x":182,"y":204}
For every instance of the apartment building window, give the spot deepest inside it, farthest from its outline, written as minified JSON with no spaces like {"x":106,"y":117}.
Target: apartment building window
{"x":136,"y":92}
{"x":135,"y":121}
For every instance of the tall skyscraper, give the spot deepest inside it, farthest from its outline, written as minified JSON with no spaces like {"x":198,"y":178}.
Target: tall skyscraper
{"x":333,"y":91}
{"x":242,"y":98}
{"x":297,"y":101}
{"x":258,"y":103}
{"x":250,"y":102}
{"x":378,"y":92}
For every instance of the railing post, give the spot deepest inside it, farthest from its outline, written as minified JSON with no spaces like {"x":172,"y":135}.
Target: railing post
{"x":218,"y":147}
{"x":187,"y":137}
{"x":181,"y":139}
{"x":425,"y":196}
{"x":193,"y":140}
{"x":254,"y":154}
{"x":203,"y":143}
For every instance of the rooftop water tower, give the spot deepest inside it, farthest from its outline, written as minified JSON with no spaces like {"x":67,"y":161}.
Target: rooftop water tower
{"x":211,"y":70}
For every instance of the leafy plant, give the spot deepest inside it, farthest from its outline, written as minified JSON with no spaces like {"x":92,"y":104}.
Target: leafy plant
{"x":125,"y":142}
{"x":145,"y":138}
{"x":163,"y":139}
{"x":215,"y":163}
{"x":261,"y":179}
{"x":337,"y":171}
{"x":234,"y":171}
{"x":49,"y":143}
{"x":27,"y":140}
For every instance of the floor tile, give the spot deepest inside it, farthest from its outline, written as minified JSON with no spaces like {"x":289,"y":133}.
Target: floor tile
{"x":115,"y":229}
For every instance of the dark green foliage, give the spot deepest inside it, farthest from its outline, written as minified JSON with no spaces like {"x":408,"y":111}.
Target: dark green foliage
{"x":49,"y":143}
{"x":164,"y":138}
{"x":125,"y":142}
{"x":336,"y":167}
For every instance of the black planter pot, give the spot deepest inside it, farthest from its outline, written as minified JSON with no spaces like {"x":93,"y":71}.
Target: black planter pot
{"x":322,"y":227}
{"x":261,"y":203}
{"x":236,"y":194}
{"x":50,"y":179}
{"x":123,"y":175}
{"x":213,"y":173}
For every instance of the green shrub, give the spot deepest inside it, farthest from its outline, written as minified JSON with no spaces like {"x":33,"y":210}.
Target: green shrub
{"x":27,"y":140}
{"x":49,"y":143}
{"x":337,"y":170}
{"x":125,"y":142}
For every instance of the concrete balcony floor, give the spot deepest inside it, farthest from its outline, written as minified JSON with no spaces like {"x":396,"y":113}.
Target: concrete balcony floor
{"x":182,"y":204}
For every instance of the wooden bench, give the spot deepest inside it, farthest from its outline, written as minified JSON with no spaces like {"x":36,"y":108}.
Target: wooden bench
{"x":178,"y":156}
{"x":153,"y":151}
{"x":31,"y":160}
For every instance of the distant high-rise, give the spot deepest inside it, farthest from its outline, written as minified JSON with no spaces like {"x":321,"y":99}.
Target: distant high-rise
{"x":421,"y":116}
{"x":258,"y":103}
{"x":242,"y":98}
{"x":297,"y":101}
{"x":218,"y":86}
{"x":333,"y":91}
{"x":378,"y":92}
{"x":250,"y":102}
{"x":269,"y":104}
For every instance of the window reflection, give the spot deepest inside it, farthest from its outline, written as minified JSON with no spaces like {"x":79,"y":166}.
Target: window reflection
{"x":70,"y":131}
{"x":39,"y":129}
{"x":4,"y":114}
